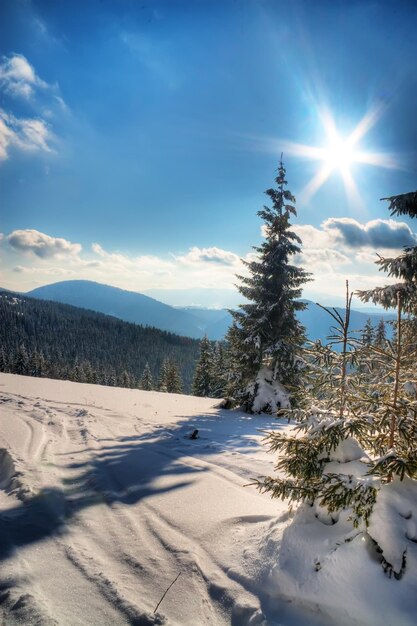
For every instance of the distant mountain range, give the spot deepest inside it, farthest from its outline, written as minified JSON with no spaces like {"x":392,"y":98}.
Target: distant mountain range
{"x":188,"y":321}
{"x":126,"y":305}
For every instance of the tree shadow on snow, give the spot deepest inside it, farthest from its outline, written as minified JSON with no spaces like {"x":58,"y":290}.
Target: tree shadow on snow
{"x":125,"y":470}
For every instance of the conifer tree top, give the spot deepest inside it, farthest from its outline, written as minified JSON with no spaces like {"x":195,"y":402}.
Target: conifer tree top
{"x":403,"y":266}
{"x":404,"y":204}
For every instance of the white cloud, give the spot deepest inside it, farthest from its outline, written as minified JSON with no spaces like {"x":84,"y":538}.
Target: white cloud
{"x":315,"y":238}
{"x":351,"y":234}
{"x":375,"y":233}
{"x":343,"y":249}
{"x":343,"y":241}
{"x":330,"y":287}
{"x":117,"y":262}
{"x":18,"y":77}
{"x":24,"y":134}
{"x":7,"y":136}
{"x":366,"y":256}
{"x":322,"y":259}
{"x":61,"y":102}
{"x":209,"y":255}
{"x":41,"y":245}
{"x":52,"y":256}
{"x":33,"y":134}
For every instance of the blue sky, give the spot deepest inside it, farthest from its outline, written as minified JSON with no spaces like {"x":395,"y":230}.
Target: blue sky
{"x":150,"y":131}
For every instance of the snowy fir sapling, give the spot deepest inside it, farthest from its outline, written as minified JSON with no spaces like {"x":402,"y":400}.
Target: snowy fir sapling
{"x":266,"y":336}
{"x":395,"y":387}
{"x":341,"y":458}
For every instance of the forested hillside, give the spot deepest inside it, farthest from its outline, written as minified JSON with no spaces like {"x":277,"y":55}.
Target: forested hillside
{"x":61,"y":341}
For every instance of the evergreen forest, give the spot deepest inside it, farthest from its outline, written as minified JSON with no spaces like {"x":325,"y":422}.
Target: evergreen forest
{"x":42,"y":338}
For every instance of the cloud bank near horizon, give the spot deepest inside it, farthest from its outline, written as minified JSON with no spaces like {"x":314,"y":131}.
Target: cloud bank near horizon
{"x":340,"y":249}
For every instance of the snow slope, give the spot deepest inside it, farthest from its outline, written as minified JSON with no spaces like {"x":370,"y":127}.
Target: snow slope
{"x":104,"y":500}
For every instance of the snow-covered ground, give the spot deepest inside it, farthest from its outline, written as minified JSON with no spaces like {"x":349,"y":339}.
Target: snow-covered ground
{"x":104,"y":500}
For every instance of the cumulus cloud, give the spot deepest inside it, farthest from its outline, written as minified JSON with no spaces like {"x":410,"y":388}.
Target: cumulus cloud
{"x":25,"y":134}
{"x":374,"y":234}
{"x":321,"y":259}
{"x":18,"y":77}
{"x":347,"y":232}
{"x":41,"y":245}
{"x":316,"y":238}
{"x":344,"y":248}
{"x":209,"y":255}
{"x":199,"y":267}
{"x":366,"y":256}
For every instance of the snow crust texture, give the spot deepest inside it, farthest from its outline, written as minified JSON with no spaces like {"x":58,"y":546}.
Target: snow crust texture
{"x":104,"y":500}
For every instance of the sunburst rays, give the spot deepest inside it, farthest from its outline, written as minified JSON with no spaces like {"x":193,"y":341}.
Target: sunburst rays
{"x":339,"y":153}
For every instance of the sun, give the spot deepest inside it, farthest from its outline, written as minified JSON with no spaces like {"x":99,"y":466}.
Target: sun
{"x":338,"y":153}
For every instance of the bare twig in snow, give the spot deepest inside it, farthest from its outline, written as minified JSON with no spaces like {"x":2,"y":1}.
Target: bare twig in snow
{"x":166,"y":591}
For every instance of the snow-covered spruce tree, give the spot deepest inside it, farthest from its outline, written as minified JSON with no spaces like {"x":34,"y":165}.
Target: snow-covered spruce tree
{"x":203,"y":377}
{"x":4,"y":361}
{"x":163,"y":376}
{"x":125,"y":380}
{"x":380,"y":334}
{"x":266,"y":335}
{"x":146,"y":381}
{"x":88,"y":373}
{"x":21,"y":362}
{"x":170,"y":380}
{"x":219,"y":370}
{"x":236,"y":364}
{"x":111,"y":379}
{"x":210,"y":377}
{"x":37,"y":364}
{"x":368,"y":332}
{"x":173,"y":380}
